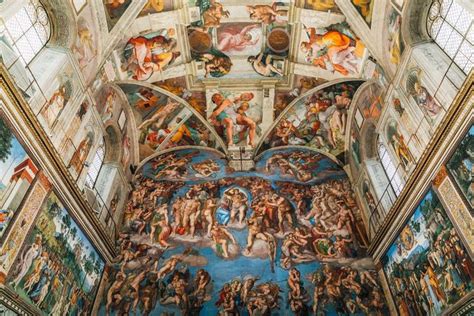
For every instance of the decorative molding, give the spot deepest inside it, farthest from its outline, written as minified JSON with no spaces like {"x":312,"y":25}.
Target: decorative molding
{"x":457,"y":208}
{"x":13,"y":301}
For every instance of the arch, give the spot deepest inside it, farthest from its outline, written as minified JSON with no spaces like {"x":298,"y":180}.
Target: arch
{"x":413,"y":27}
{"x":299,"y":100}
{"x":356,"y":100}
{"x":64,"y":28}
{"x":131,"y":131}
{"x":180,"y":100}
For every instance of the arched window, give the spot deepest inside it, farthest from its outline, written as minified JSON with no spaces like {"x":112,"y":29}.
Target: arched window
{"x":450,"y":25}
{"x":390,"y":169}
{"x":24,"y":31}
{"x":96,"y":165}
{"x":27,"y":30}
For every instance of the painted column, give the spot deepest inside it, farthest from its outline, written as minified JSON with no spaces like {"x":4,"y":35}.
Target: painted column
{"x":20,"y":228}
{"x":455,"y":207}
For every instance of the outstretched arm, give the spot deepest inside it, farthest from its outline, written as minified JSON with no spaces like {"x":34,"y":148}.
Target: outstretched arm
{"x":248,"y":28}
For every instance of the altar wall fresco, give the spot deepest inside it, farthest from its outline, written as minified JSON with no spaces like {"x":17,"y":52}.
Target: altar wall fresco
{"x":199,"y":238}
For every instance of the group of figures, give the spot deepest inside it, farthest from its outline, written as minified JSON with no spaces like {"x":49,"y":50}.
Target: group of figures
{"x":318,"y":120}
{"x":58,"y":269}
{"x":165,"y":122}
{"x":239,"y":40}
{"x":461,"y":166}
{"x":213,"y":241}
{"x":428,"y":267}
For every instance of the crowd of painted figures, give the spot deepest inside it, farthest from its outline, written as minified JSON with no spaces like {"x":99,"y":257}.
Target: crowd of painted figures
{"x":158,"y":218}
{"x":435,"y":278}
{"x":351,"y":290}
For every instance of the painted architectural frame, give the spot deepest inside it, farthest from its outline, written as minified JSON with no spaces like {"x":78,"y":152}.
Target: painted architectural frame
{"x":18,"y":172}
{"x":459,"y":165}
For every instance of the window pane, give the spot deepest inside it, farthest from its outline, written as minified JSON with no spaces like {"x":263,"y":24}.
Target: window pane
{"x":435,"y":27}
{"x":95,"y":166}
{"x":14,"y":28}
{"x":463,"y":23}
{"x":453,"y":44}
{"x":24,"y":20}
{"x":470,"y":34}
{"x":443,"y":34}
{"x":34,"y":40}
{"x":31,"y":10}
{"x":25,"y":39}
{"x":453,"y":13}
{"x":42,"y":33}
{"x":25,"y":49}
{"x":457,"y":25}
{"x":445,"y":7}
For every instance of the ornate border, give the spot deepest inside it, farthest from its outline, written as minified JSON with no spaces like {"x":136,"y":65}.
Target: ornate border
{"x":10,"y":300}
{"x":464,"y":133}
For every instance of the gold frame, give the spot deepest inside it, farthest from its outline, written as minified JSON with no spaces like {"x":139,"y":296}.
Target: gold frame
{"x":10,"y":300}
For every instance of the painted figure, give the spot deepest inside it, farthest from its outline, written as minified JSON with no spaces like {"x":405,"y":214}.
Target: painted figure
{"x":246,"y":37}
{"x":80,"y":155}
{"x":225,"y":114}
{"x":264,"y":67}
{"x":150,"y":53}
{"x":266,"y":14}
{"x":338,"y":50}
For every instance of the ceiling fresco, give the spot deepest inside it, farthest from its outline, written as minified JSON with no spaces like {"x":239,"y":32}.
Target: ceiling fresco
{"x":228,"y":40}
{"x":284,"y":238}
{"x":317,"y":120}
{"x":241,"y":72}
{"x":165,"y":121}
